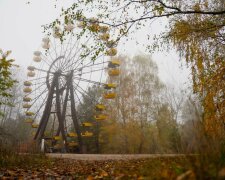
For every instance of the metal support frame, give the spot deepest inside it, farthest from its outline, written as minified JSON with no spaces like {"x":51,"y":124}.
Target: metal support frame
{"x":75,"y":119}
{"x":60,"y":111}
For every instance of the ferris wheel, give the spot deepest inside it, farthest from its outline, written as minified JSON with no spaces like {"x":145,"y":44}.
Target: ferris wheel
{"x":58,"y":78}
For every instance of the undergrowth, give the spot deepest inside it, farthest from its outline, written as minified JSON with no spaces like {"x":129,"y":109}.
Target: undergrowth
{"x":8,"y":159}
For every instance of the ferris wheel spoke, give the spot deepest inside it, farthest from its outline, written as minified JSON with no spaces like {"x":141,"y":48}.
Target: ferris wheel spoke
{"x":103,"y":60}
{"x":37,"y":83}
{"x":44,"y":58}
{"x":68,"y":59}
{"x":41,"y":93}
{"x":89,"y":81}
{"x":40,"y":107}
{"x":54,"y":47}
{"x":75,"y":54}
{"x":37,"y":78}
{"x":79,"y":49}
{"x":83,"y":92}
{"x":92,"y":71}
{"x":52,"y":59}
{"x":89,"y":77}
{"x":42,"y":70}
{"x":80,"y":61}
{"x":35,"y":99}
{"x":77,"y":95}
{"x":36,"y":88}
{"x":75,"y":45}
{"x":86,"y":65}
{"x":56,"y":53}
{"x":68,"y":44}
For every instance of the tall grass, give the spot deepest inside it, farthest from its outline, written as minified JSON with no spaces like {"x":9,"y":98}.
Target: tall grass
{"x":12,"y":159}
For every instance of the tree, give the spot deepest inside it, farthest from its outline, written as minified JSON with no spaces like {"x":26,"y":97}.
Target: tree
{"x":12,"y":108}
{"x":6,"y":81}
{"x":131,"y":115}
{"x":169,"y":137}
{"x":200,"y":39}
{"x":192,"y":136}
{"x":86,"y":112}
{"x":196,"y":30}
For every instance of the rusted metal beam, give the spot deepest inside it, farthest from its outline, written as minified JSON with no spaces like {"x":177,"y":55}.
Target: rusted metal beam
{"x":60,"y":117}
{"x":75,"y":119}
{"x":47,"y":111}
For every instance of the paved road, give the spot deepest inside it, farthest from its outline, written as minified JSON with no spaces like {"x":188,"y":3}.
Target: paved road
{"x":100,"y":157}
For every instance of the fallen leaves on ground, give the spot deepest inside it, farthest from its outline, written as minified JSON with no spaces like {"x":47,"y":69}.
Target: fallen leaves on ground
{"x":155,"y":168}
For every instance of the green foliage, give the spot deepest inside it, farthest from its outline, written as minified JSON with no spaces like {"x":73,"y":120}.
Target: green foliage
{"x":6,"y":81}
{"x":169,"y":137}
{"x":86,"y":112}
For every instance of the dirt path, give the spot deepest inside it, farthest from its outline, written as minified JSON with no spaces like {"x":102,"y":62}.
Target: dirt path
{"x":102,"y":157}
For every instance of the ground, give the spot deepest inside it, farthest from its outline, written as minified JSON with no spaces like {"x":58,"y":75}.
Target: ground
{"x":102,"y":167}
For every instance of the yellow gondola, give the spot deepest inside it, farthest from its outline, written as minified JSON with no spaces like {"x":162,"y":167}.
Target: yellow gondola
{"x":103,"y":29}
{"x":27,"y":90}
{"x":45,"y":40}
{"x":31,"y":74}
{"x":87,"y":134}
{"x":111,"y":52}
{"x":104,"y":37}
{"x":72,"y":134}
{"x":27,"y":83}
{"x":110,"y":95}
{"x":87,"y":124}
{"x":31,"y":68}
{"x":81,"y":24}
{"x":37,"y":58}
{"x":69,"y":27}
{"x":94,"y":27}
{"x":46,"y":45}
{"x":100,"y":117}
{"x":57,"y":138}
{"x":37,"y":53}
{"x":100,"y":107}
{"x":115,"y":62}
{"x":28,"y":120}
{"x":110,"y":44}
{"x":113,"y":72}
{"x":29,"y":113}
{"x":34,"y":125}
{"x":27,"y":105}
{"x":27,"y":99}
{"x":56,"y":34}
{"x":110,"y":86}
{"x":72,"y":144}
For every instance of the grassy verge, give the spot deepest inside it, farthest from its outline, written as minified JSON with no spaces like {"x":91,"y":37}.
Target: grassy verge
{"x":9,"y":159}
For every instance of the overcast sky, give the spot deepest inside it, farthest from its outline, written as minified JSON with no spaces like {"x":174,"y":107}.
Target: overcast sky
{"x":21,"y":32}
